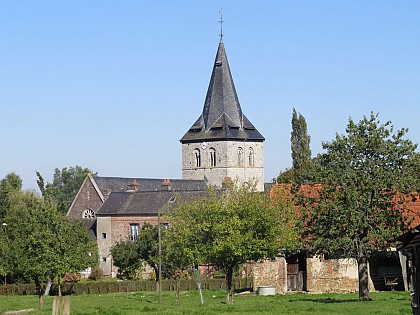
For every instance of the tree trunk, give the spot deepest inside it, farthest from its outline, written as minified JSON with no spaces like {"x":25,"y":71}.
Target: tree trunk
{"x":200,"y":292}
{"x":177,"y":292}
{"x":156,"y":269}
{"x":362,"y":263}
{"x":229,"y":281}
{"x":48,"y":287}
{"x":40,"y":295}
{"x":59,"y":286}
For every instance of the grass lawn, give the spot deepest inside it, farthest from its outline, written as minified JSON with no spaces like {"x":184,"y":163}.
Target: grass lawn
{"x":147,"y":303}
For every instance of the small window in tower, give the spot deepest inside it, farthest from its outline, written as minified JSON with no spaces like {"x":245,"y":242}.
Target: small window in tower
{"x":240,"y":156}
{"x":196,"y":158}
{"x":212,"y":157}
{"x":251,"y":157}
{"x":104,"y":236}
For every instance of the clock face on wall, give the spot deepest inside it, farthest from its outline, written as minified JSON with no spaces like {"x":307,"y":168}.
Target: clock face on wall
{"x":203,"y":145}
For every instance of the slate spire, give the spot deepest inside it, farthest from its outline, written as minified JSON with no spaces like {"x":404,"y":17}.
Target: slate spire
{"x":222,"y":117}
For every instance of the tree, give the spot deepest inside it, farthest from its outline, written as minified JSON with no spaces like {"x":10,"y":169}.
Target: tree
{"x":66,"y":183}
{"x":129,"y":255}
{"x":300,"y":141}
{"x":230,"y":228}
{"x":126,"y":258}
{"x":45,"y":243}
{"x":148,"y":246}
{"x":301,"y":152}
{"x":9,"y":184}
{"x":358,"y":206}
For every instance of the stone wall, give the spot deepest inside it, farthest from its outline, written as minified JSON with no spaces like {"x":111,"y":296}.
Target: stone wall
{"x":322,"y":275}
{"x":271,"y":273}
{"x":227,"y":164}
{"x":331,"y":275}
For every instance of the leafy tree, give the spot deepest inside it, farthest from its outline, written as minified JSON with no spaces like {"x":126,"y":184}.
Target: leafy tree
{"x":9,"y":184}
{"x":148,"y":246}
{"x":45,"y":243}
{"x":126,"y":258}
{"x":230,"y":228}
{"x":129,"y":255}
{"x":66,"y":183}
{"x":358,"y":206}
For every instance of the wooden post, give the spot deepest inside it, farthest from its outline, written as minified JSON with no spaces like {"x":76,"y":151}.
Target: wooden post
{"x":61,"y":305}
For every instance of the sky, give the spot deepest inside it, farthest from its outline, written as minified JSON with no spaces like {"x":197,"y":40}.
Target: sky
{"x":114,"y":85}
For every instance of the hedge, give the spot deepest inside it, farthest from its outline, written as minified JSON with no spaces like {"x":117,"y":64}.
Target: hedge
{"x":96,"y":287}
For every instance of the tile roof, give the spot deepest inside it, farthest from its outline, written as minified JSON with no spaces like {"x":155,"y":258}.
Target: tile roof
{"x":145,"y":202}
{"x":120,"y":184}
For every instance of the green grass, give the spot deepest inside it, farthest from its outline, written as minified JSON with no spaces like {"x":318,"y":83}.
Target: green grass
{"x":147,"y":303}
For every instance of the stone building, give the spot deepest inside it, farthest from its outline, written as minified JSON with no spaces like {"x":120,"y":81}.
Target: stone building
{"x":223,"y":142}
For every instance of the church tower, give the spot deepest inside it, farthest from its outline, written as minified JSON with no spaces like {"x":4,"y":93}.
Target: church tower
{"x":223,"y":142}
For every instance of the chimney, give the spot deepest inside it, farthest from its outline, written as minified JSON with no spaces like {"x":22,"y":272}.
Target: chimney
{"x":166,"y":185}
{"x":134,"y":186}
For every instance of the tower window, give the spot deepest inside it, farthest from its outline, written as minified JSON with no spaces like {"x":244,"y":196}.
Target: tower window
{"x":240,"y":156}
{"x":251,"y":157}
{"x":212,"y":157}
{"x":196,"y":158}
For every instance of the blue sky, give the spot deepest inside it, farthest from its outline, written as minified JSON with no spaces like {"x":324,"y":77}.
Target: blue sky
{"x":113,"y":85}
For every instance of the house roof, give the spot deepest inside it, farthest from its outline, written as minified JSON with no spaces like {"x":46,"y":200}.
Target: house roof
{"x":120,"y":184}
{"x":145,"y":202}
{"x":222,"y":117}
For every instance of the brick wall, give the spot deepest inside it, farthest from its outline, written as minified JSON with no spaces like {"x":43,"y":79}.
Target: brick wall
{"x":87,"y":198}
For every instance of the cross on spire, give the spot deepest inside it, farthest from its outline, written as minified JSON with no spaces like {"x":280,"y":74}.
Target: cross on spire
{"x":221,"y":24}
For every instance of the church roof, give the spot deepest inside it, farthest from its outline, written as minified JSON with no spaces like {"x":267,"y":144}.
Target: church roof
{"x":120,"y":184}
{"x":222,"y":117}
{"x":144,"y":202}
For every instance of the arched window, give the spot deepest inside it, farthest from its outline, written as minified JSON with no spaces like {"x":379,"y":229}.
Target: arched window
{"x":212,"y":157}
{"x":196,"y":158}
{"x":240,"y":156}
{"x":88,"y":214}
{"x":251,"y":157}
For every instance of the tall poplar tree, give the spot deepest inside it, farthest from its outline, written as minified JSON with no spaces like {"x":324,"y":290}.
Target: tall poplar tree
{"x":301,"y":152}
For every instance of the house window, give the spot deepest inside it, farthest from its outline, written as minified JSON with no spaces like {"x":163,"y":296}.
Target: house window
{"x":212,"y":157}
{"x":134,"y":232}
{"x":196,"y":158}
{"x":240,"y":154}
{"x":88,"y":214}
{"x":251,"y":157}
{"x":104,"y":259}
{"x":104,"y":236}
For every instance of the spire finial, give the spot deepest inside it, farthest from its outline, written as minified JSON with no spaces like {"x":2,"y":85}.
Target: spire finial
{"x":221,"y":24}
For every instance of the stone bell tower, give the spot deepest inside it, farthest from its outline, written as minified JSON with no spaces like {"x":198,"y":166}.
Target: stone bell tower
{"x":223,"y":142}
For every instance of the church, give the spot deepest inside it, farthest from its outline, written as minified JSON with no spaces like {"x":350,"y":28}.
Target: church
{"x":222,"y":145}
